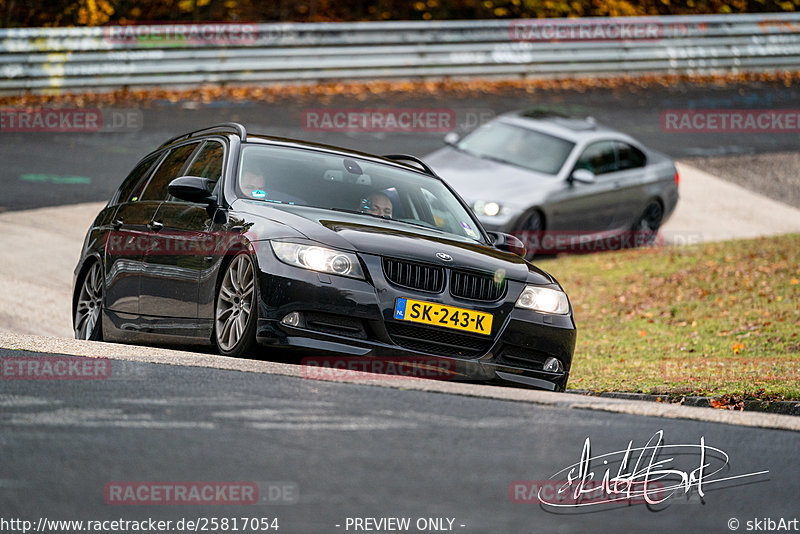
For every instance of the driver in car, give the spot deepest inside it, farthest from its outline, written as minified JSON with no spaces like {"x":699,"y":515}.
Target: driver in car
{"x":257,"y":185}
{"x":377,"y":204}
{"x":253,"y":182}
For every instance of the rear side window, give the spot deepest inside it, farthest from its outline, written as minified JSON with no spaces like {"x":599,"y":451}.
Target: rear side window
{"x":630,"y":157}
{"x":598,"y":158}
{"x":208,"y":162}
{"x":126,"y":189}
{"x":156,"y":189}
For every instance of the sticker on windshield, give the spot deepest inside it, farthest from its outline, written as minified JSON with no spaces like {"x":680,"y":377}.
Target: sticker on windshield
{"x":470,"y":232}
{"x":258,"y":193}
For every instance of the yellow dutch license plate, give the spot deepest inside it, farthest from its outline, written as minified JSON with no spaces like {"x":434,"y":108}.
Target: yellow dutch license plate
{"x":441,"y":315}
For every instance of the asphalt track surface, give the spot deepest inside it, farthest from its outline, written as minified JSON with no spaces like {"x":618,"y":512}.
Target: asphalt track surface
{"x":352,"y":450}
{"x":48,"y":169}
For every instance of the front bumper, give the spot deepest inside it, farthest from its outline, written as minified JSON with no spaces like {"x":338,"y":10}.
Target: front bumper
{"x":355,"y":318}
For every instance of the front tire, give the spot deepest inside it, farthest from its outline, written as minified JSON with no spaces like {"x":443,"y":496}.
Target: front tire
{"x":236,"y":311}
{"x":87,"y":315}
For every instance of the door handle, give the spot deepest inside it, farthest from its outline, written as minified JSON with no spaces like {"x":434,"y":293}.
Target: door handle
{"x":155,"y":226}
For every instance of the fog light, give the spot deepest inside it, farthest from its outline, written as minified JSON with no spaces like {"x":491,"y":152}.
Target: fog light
{"x":292,"y":319}
{"x":553,"y":365}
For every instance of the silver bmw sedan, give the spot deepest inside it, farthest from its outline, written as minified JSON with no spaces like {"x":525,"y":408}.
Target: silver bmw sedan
{"x":559,"y":183}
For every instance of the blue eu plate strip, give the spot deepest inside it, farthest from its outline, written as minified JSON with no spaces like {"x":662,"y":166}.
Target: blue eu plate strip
{"x":400,"y":309}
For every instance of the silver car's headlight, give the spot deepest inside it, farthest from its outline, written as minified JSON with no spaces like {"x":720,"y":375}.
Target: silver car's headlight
{"x":490,"y":209}
{"x":543,"y":299}
{"x":317,"y":258}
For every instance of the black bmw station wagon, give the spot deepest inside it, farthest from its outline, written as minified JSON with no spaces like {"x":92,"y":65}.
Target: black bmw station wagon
{"x":255,"y":243}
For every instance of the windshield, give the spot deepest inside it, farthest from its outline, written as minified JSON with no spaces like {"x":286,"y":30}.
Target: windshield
{"x":518,"y":146}
{"x":292,"y":176}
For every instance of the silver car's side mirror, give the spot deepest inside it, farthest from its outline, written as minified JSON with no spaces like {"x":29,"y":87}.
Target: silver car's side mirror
{"x":451,"y":138}
{"x":584,"y":176}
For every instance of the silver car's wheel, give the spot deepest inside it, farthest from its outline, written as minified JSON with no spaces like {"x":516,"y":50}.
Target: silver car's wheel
{"x":87,"y":319}
{"x":234,"y":322}
{"x":530,"y":230}
{"x":650,"y":222}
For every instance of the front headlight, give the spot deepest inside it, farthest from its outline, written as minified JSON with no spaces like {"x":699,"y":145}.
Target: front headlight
{"x":320,"y":259}
{"x":543,"y":299}
{"x":490,"y":209}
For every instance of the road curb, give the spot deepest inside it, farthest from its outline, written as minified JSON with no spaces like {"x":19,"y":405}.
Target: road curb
{"x":147,"y":354}
{"x":751,"y":405}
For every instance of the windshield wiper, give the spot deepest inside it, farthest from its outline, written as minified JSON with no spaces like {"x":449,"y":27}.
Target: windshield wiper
{"x":432,"y":229}
{"x":499,"y":160}
{"x":487,"y":156}
{"x":386,"y":218}
{"x":345,"y":210}
{"x":272,"y":201}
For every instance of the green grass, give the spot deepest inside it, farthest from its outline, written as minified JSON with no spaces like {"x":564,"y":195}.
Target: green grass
{"x":720,"y":319}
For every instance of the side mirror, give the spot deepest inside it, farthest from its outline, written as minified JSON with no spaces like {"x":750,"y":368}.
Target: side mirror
{"x":451,"y":138}
{"x":507,"y":243}
{"x":585,"y":176}
{"x":192,"y":189}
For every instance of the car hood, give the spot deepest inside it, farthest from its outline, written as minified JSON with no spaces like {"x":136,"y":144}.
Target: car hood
{"x":468,"y":174}
{"x":368,"y":235}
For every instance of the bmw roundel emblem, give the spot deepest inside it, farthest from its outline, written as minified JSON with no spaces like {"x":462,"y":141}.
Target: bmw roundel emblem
{"x":444,"y":257}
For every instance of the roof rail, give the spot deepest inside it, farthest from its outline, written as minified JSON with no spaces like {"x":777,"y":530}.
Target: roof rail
{"x":235,"y":126}
{"x":414,"y":159}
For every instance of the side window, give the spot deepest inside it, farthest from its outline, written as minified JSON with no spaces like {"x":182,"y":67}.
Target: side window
{"x":156,"y":188}
{"x":125,"y":191}
{"x":630,"y":157}
{"x":208,"y":162}
{"x":598,"y":158}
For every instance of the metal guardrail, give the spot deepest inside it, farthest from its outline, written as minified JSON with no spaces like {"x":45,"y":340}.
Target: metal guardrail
{"x":52,"y":59}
